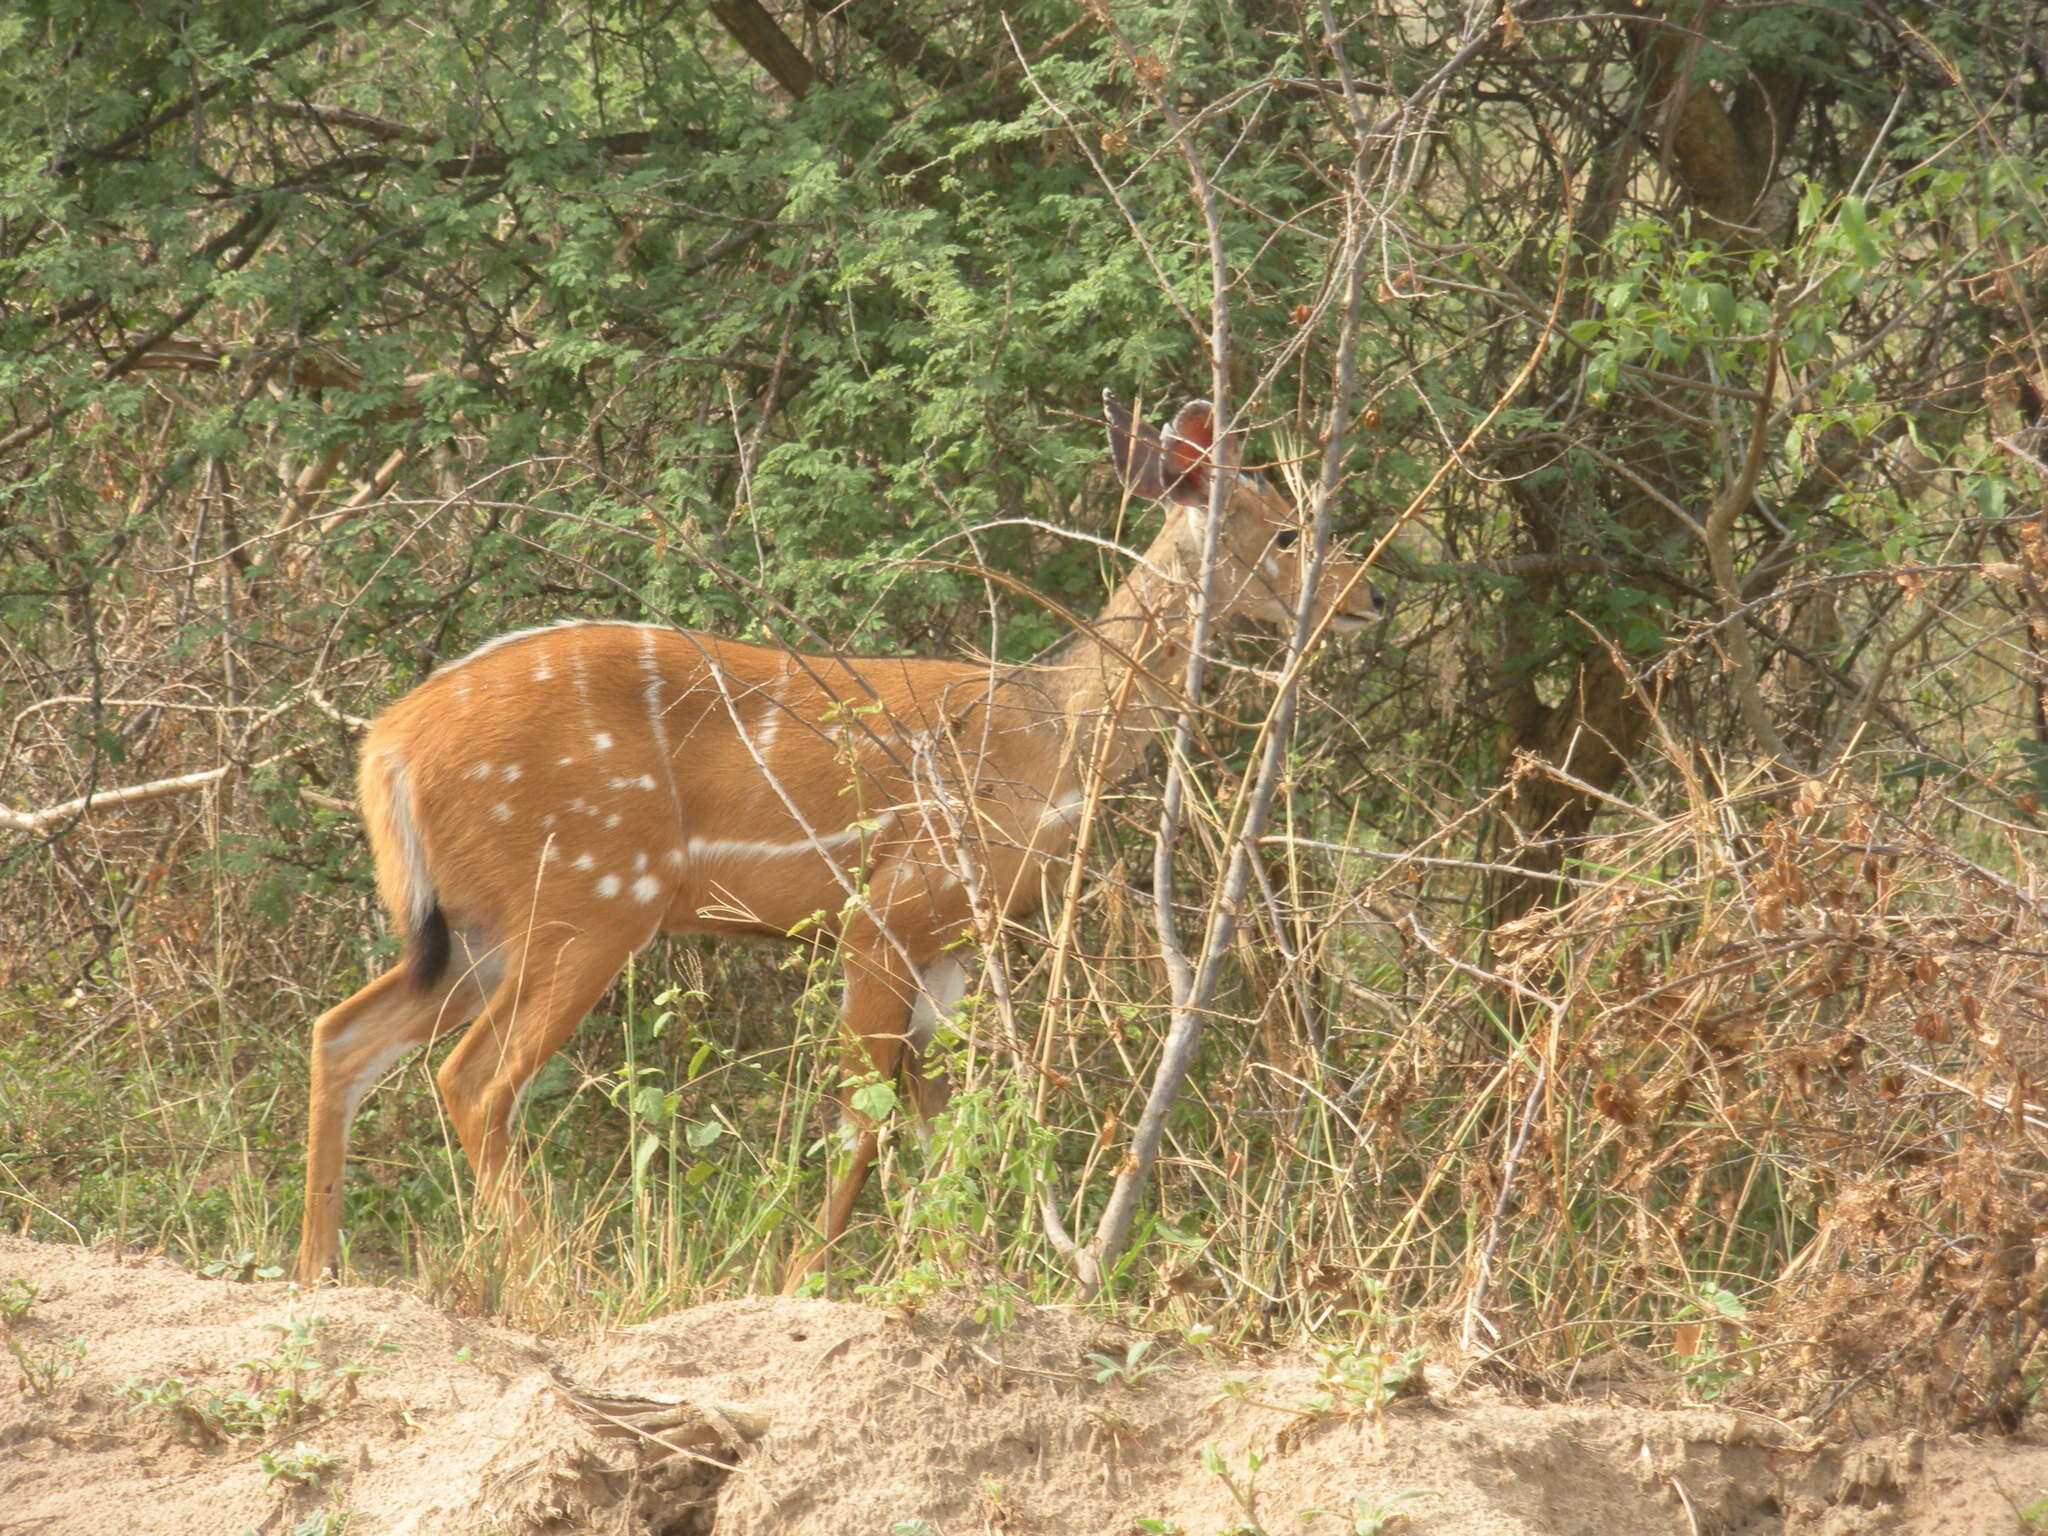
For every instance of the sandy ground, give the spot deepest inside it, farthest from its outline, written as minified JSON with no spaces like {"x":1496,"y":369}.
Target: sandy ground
{"x":274,"y":1411}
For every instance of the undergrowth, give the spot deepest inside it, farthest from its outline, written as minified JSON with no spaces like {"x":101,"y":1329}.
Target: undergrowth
{"x":1751,"y":1113}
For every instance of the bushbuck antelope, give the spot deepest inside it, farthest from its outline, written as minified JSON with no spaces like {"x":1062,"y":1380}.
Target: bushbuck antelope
{"x":544,"y":806}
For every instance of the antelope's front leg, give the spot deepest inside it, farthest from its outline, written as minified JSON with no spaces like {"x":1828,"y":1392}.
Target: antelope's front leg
{"x":880,"y":992}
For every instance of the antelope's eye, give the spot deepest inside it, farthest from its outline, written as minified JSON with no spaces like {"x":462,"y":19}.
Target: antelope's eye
{"x":1285,"y":538}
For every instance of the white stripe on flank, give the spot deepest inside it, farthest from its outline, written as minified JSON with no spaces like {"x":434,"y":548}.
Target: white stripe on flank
{"x":728,"y":847}
{"x":771,"y":723}
{"x":650,"y":667}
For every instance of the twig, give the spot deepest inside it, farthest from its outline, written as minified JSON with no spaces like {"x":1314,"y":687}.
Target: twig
{"x":34,"y":822}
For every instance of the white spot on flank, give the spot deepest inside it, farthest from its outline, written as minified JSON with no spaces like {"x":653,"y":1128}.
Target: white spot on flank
{"x":543,"y":672}
{"x":645,"y":781}
{"x":478,"y":771}
{"x":548,"y":820}
{"x":674,"y":857}
{"x":584,"y":861}
{"x":601,"y":740}
{"x":645,"y":889}
{"x":639,"y":862}
{"x":1271,"y":568}
{"x":608,"y":886}
{"x":565,"y":761}
{"x":502,"y":811}
{"x":511,"y":773}
{"x":550,"y":854}
{"x":612,"y":820}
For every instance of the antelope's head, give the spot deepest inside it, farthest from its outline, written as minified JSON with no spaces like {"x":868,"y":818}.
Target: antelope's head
{"x":1262,"y":547}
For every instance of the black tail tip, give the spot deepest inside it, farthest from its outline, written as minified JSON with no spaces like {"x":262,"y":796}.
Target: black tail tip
{"x":426,"y":951}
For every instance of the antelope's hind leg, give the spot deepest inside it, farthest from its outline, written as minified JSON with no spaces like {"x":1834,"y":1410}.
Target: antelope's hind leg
{"x":354,"y":1044}
{"x":533,"y":1010}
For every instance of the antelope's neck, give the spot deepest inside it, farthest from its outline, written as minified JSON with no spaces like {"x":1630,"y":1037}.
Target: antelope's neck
{"x":1111,"y":682}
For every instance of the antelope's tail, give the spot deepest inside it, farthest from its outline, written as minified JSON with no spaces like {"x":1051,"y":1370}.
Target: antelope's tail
{"x":404,"y":881}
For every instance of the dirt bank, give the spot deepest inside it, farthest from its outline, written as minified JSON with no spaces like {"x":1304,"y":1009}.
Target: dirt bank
{"x":143,"y":1398}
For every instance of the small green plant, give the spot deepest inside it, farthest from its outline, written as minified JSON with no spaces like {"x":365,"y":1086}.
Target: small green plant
{"x":913,"y":1528}
{"x":286,"y":1389}
{"x":996,"y":1307}
{"x":1709,"y":1342}
{"x":2033,"y":1517}
{"x":1129,"y":1371}
{"x":1364,"y":1379}
{"x":303,"y":1466}
{"x":243,"y":1267}
{"x":203,"y":1420}
{"x":212,"y":1419}
{"x":1243,"y":1489}
{"x":44,"y":1367}
{"x":906,"y":1289}
{"x":1149,"y":1527}
{"x":16,"y":1297}
{"x":1371,"y":1517}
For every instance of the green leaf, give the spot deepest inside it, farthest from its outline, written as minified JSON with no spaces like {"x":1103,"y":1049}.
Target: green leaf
{"x":874,"y":1101}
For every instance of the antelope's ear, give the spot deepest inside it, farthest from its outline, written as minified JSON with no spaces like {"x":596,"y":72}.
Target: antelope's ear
{"x":1177,"y":469}
{"x":1191,"y":451}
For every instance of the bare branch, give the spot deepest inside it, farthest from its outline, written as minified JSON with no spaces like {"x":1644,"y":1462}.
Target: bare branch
{"x":36,"y":822}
